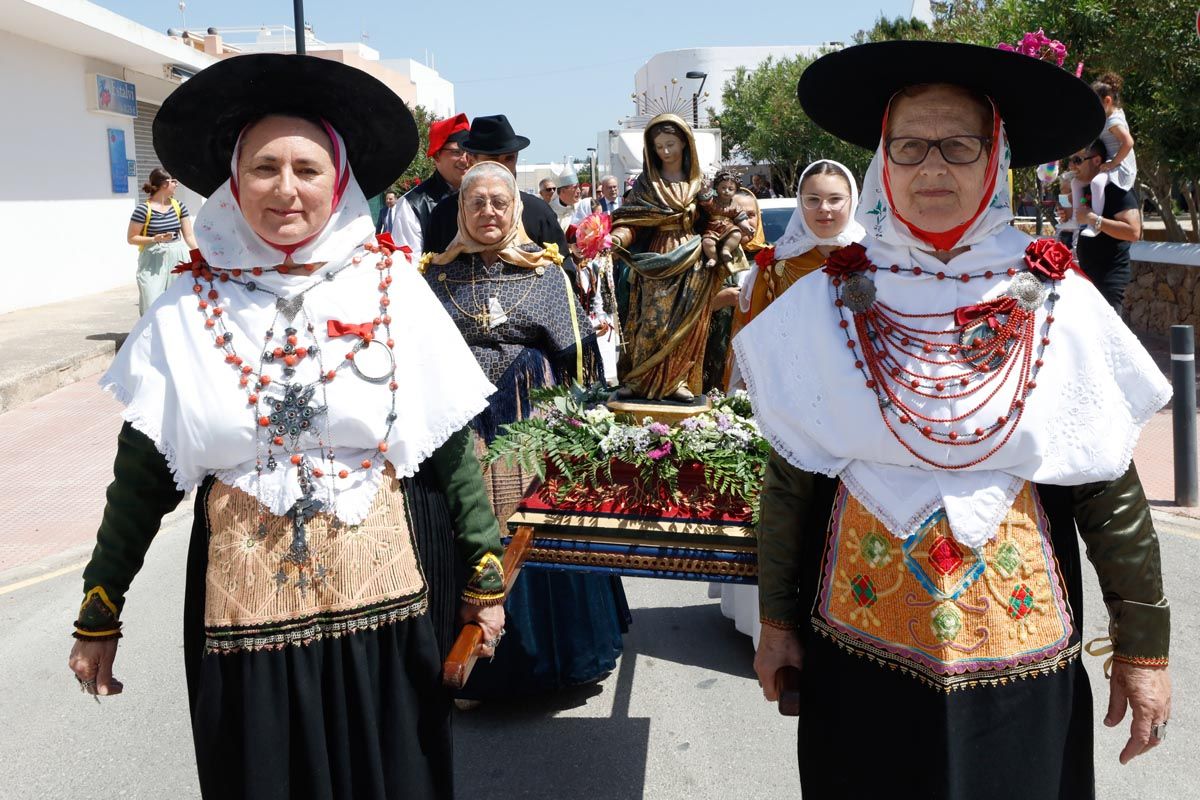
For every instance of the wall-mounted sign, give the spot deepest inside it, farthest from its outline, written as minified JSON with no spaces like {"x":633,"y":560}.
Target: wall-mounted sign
{"x":111,"y":96}
{"x":118,"y":164}
{"x":132,"y":168}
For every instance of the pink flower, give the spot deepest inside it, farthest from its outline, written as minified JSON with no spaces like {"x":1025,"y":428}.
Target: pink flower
{"x":659,"y":452}
{"x":659,"y":429}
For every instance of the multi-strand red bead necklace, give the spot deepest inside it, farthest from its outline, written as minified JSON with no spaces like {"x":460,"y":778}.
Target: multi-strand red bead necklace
{"x":973,"y":352}
{"x":284,"y":410}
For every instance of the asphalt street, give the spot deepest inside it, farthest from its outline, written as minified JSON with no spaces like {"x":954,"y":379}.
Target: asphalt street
{"x":682,"y":717}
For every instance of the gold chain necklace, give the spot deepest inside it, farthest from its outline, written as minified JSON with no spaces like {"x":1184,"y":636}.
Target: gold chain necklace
{"x":484,"y":317}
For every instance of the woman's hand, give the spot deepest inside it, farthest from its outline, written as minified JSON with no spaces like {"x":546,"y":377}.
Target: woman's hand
{"x":1146,"y":690}
{"x":92,"y":664}
{"x":490,"y":619}
{"x":776,"y":648}
{"x":163,"y":238}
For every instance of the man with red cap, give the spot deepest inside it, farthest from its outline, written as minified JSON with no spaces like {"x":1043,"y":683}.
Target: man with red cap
{"x":450,"y":160}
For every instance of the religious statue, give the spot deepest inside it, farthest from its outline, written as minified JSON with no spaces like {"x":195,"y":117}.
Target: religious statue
{"x":656,"y":236}
{"x":727,"y":223}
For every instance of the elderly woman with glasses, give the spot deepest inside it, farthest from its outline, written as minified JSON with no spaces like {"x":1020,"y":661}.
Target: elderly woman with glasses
{"x":949,"y":404}
{"x":516,"y":309}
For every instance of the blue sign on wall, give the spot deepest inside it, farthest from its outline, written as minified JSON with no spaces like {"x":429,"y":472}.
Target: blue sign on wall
{"x":115,"y":96}
{"x":118,"y":164}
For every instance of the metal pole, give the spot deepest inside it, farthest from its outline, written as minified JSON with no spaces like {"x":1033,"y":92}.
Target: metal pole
{"x":695,"y":110}
{"x":298,"y":9}
{"x":1183,"y":413}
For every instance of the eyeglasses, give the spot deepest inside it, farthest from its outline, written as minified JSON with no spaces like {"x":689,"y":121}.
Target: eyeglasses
{"x":548,"y":189}
{"x":834,"y":202}
{"x":454,"y":152}
{"x":908,"y":151}
{"x":1075,"y":161}
{"x":478,"y":204}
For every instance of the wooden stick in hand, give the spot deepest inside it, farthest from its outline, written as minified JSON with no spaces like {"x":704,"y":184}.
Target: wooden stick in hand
{"x":465,"y":651}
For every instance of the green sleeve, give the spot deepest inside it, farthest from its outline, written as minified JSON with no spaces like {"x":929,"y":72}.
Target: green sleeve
{"x":141,"y":494}
{"x":1114,"y":521}
{"x":784,"y":501}
{"x":477,"y":534}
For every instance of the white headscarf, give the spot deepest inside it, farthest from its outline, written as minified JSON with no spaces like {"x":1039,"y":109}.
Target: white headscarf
{"x":798,"y":239}
{"x":226,"y":239}
{"x":1097,"y":390}
{"x":876,"y":214}
{"x":179,"y":391}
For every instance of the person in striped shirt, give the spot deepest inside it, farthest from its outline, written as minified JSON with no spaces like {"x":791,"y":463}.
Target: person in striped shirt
{"x":162,"y":230}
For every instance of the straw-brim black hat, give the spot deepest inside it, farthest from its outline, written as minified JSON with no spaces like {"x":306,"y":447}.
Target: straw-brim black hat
{"x":1048,"y":113}
{"x":197,"y":127}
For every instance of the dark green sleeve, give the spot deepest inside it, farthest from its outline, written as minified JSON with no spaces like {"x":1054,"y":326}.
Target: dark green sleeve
{"x":786,"y":495}
{"x":1114,"y":521}
{"x":141,"y":494}
{"x":477,"y":534}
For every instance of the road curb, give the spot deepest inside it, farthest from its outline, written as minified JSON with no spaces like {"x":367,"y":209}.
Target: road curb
{"x":23,"y":388}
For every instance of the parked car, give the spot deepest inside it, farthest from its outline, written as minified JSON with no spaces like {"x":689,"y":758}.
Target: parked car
{"x":776,"y":211}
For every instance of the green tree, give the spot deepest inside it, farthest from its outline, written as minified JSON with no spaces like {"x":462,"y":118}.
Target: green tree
{"x":1150,"y":43}
{"x":898,"y":28}
{"x":762,"y":121}
{"x":422,"y":165}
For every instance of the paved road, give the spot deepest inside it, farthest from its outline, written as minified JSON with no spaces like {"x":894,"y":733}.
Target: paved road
{"x":681,"y":718}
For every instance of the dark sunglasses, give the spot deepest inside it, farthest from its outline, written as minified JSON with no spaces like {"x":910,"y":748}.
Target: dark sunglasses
{"x":1075,"y":161}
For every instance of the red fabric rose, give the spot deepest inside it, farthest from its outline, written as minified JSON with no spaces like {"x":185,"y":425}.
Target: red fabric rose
{"x":1049,"y":259}
{"x":765,"y":257}
{"x":847,"y":261}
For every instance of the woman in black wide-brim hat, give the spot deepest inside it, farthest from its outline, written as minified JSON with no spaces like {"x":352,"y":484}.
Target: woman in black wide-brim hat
{"x":948,"y":403}
{"x":269,"y":379}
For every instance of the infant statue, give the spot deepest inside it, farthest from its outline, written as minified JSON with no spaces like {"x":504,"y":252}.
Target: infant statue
{"x":727,"y":223}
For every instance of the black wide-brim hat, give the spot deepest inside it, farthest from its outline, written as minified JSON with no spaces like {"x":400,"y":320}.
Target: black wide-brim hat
{"x":1048,"y":113}
{"x":493,"y":136}
{"x":197,"y":127}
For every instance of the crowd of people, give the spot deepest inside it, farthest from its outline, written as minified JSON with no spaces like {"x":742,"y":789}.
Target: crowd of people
{"x":948,"y":405}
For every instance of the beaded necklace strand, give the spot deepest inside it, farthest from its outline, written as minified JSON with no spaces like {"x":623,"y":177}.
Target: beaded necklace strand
{"x":282,"y":422}
{"x":984,"y":351}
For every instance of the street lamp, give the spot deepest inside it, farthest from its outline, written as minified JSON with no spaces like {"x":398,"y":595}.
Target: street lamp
{"x":696,"y":75}
{"x":595,"y":179}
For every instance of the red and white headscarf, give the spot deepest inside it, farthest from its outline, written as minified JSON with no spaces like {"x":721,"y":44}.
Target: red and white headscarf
{"x":226,"y":239}
{"x":877,"y":211}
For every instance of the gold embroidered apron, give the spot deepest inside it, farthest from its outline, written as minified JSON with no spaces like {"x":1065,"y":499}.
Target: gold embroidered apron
{"x":358,"y":577}
{"x":949,"y":615}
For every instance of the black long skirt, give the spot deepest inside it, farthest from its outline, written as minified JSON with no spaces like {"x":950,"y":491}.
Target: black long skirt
{"x":359,"y":717}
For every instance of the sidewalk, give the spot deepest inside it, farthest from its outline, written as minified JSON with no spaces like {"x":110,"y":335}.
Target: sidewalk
{"x":50,"y":346}
{"x":60,"y":446}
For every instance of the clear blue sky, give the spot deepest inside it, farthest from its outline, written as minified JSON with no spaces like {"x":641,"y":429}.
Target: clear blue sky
{"x":561,"y":71}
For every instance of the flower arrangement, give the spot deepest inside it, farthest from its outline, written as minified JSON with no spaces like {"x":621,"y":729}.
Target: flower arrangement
{"x":709,"y":464}
{"x":1038,"y":45}
{"x":594,"y":234}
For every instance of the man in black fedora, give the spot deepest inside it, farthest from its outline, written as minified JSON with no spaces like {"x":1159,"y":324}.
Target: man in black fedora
{"x":493,"y":139}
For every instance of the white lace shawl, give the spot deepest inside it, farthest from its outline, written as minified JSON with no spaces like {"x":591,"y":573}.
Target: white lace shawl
{"x":1096,"y":391}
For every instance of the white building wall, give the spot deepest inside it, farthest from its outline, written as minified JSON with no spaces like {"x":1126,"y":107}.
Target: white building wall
{"x":433,"y":91}
{"x":62,"y":229}
{"x":653,"y":81}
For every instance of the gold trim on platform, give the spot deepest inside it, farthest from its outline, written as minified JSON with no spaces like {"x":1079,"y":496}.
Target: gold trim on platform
{"x":684,"y":564}
{"x":624,"y":529}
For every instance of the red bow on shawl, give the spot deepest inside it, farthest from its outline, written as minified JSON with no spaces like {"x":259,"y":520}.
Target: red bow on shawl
{"x":765,"y":257}
{"x":987,"y":310}
{"x":386,"y":242}
{"x":364,"y":331}
{"x":190,"y":266}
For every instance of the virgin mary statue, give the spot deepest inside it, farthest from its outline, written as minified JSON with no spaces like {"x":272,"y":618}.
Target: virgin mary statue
{"x":657,"y":239}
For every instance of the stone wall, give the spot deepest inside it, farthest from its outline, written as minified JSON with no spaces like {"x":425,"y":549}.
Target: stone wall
{"x":1162,"y":295}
